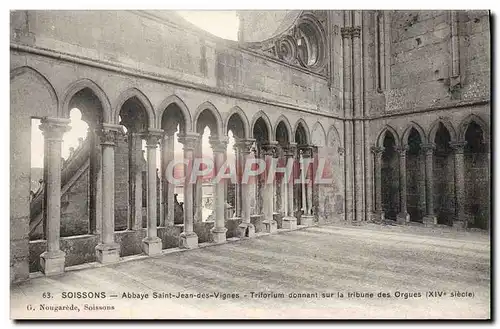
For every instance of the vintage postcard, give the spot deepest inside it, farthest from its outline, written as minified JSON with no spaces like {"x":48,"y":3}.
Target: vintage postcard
{"x":250,"y":164}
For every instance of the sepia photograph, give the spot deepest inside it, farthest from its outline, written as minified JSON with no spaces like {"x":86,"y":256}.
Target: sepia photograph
{"x":250,"y":164}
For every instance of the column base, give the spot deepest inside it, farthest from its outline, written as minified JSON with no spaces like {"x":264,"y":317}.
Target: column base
{"x":52,"y":262}
{"x":188,"y":240}
{"x":430,"y":220}
{"x":377,"y":216}
{"x":307,"y":220}
{"x":152,"y":246}
{"x":218,"y":234}
{"x":246,"y":230}
{"x":289,"y":223}
{"x":403,"y":218}
{"x":270,"y":226}
{"x":107,"y":253}
{"x":459,"y":224}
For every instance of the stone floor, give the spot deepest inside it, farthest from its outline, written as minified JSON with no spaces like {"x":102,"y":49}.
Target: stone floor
{"x":327,"y":259}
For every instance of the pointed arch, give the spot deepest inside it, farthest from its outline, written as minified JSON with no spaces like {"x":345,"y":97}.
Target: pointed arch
{"x":287,"y":124}
{"x":418,"y":128}
{"x":98,"y":92}
{"x":238,"y":112}
{"x":302,"y":123}
{"x":263,"y":115}
{"x":174,"y":99}
{"x":333,"y":133}
{"x":213,"y":110}
{"x":464,"y":124}
{"x":381,"y":136}
{"x":318,"y":131}
{"x":39,"y":77}
{"x":435,"y":126}
{"x":130,"y":93}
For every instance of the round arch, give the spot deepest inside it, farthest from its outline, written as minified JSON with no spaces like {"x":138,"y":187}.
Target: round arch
{"x":406,"y":134}
{"x":479,"y":121}
{"x":242,"y":116}
{"x":174,"y":99}
{"x":435,"y":126}
{"x":98,"y":92}
{"x":130,"y":93}
{"x":381,"y":136}
{"x":261,"y":114}
{"x":213,"y":110}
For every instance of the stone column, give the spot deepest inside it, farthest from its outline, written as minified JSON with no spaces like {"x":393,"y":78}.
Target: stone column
{"x":268,"y":199}
{"x":219,"y":147}
{"x":198,"y":187}
{"x":306,"y":218}
{"x":151,"y":245}
{"x":246,"y":228}
{"x":135,"y":148}
{"x":289,"y":221}
{"x":403,"y":216}
{"x":458,"y":151}
{"x":188,"y":238}
{"x":108,"y":251}
{"x":52,"y":260}
{"x":430,"y":218}
{"x":378,"y":214}
{"x":168,"y":187}
{"x":237,"y":186}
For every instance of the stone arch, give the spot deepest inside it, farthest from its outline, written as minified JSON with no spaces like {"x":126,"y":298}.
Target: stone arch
{"x":284,"y":120}
{"x":303,"y":124}
{"x":79,"y":85}
{"x":418,"y":128}
{"x":266,"y":120}
{"x":174,"y":99}
{"x":381,"y":136}
{"x":435,"y":126}
{"x":207,"y":106}
{"x":464,"y":124}
{"x":238,"y":112}
{"x":19,"y":71}
{"x":130,"y":93}
{"x":318,"y":135}
{"x":333,"y":133}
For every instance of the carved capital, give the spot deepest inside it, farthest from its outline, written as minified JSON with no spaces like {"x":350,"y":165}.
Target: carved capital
{"x":428,"y":148}
{"x":306,"y":151}
{"x":152,"y":137}
{"x":356,"y":31}
{"x":269,"y":149}
{"x":219,"y":145}
{"x":458,"y":147}
{"x":189,"y":141}
{"x":108,"y":134}
{"x":346,"y":32}
{"x":341,"y":150}
{"x":290,"y":150}
{"x":244,"y":145}
{"x":54,"y":128}
{"x":402,"y":150}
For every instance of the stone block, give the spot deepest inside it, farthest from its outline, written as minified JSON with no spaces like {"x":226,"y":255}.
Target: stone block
{"x":429,"y":220}
{"x":307,"y":220}
{"x":152,"y":246}
{"x":403,"y":218}
{"x":188,"y":240}
{"x":246,"y":230}
{"x":107,"y":253}
{"x":270,"y":226}
{"x":218,"y":235}
{"x":52,"y":263}
{"x":289,"y":223}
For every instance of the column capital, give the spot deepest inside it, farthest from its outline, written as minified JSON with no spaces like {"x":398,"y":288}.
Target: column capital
{"x":402,"y":150}
{"x":269,"y":149}
{"x":54,"y":128}
{"x":428,"y":148}
{"x":341,"y":150}
{"x":244,"y":145}
{"x":458,"y":147}
{"x":306,"y":151}
{"x":189,"y":140}
{"x":290,"y":150}
{"x":377,"y":150}
{"x":108,"y":132}
{"x":346,"y":31}
{"x":356,"y":31}
{"x":218,"y":144}
{"x":152,"y":137}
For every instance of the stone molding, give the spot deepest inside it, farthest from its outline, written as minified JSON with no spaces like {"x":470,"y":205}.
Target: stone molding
{"x":54,"y":128}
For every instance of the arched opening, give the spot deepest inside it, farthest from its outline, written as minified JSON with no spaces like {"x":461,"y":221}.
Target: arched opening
{"x":477,"y":178}
{"x":390,"y":177}
{"x":173,"y":123}
{"x":283,"y":139}
{"x":415,"y":177}
{"x":236,"y":131}
{"x":444,"y":177}
{"x":204,"y":189}
{"x":131,"y":167}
